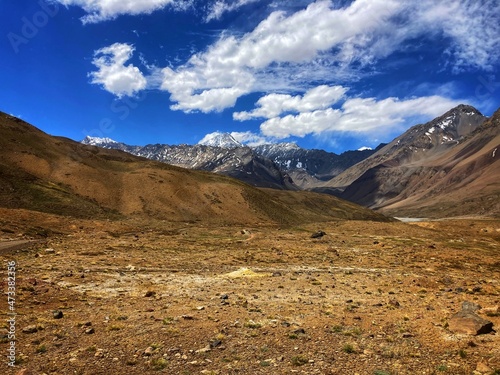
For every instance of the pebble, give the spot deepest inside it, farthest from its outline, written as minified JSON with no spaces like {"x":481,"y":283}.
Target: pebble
{"x":30,"y":329}
{"x":57,"y":314}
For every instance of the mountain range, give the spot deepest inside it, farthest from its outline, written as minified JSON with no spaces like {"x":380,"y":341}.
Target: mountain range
{"x":434,"y":169}
{"x":59,"y":176}
{"x":282,"y":165}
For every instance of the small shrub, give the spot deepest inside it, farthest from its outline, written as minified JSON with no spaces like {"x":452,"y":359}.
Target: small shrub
{"x":159,"y":364}
{"x":442,"y":368}
{"x":299,"y":360}
{"x":348,"y":348}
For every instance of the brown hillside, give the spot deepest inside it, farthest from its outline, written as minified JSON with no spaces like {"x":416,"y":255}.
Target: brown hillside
{"x":57,"y":175}
{"x":463,"y":180}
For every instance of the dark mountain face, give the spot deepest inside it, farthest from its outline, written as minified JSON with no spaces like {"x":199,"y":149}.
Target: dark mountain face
{"x":309,"y":168}
{"x":445,"y":167}
{"x":239,"y":162}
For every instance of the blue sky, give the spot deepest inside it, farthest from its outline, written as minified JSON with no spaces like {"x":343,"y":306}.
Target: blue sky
{"x":336,"y":74}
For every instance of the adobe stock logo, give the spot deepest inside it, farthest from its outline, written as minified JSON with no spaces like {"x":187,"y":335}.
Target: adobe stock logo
{"x":32,"y":25}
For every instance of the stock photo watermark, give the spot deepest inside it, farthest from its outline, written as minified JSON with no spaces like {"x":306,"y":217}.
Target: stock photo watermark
{"x":30,"y":26}
{"x":486,"y":87}
{"x":11,"y":313}
{"x":122,"y":108}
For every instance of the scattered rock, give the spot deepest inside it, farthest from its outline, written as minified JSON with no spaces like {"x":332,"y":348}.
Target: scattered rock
{"x":149,"y":351}
{"x":215,"y":344}
{"x":206,"y":349}
{"x":224,"y":296}
{"x":469,"y":323}
{"x":50,"y":251}
{"x":483,"y":368}
{"x":89,"y":331}
{"x":318,"y":234}
{"x":188,"y":317}
{"x":394,"y":303}
{"x":470,"y":306}
{"x":150,"y":293}
{"x":300,"y":331}
{"x":57,"y":314}
{"x":30,"y":329}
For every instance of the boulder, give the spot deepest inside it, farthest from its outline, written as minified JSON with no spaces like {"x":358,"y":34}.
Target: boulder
{"x":468,"y":322}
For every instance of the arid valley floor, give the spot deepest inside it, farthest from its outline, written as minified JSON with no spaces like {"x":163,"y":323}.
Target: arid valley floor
{"x":186,"y":298}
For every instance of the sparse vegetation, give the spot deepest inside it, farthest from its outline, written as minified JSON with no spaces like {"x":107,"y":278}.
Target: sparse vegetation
{"x":299,"y":360}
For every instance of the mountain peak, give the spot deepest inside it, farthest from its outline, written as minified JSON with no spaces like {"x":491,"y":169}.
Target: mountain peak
{"x":219,"y":139}
{"x":96,"y":141}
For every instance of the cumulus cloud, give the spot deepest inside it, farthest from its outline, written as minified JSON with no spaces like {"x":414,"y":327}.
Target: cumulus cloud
{"x":273,"y":105}
{"x":113,"y":75}
{"x":356,"y":116}
{"x":101,"y":10}
{"x":288,"y":48}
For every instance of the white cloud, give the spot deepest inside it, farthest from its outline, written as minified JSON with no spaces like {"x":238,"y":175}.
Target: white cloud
{"x":217,"y":9}
{"x":285,"y":52}
{"x":251,"y":139}
{"x":273,"y":105}
{"x":357,"y":116}
{"x":474,"y":28}
{"x":101,"y":10}
{"x":116,"y":77}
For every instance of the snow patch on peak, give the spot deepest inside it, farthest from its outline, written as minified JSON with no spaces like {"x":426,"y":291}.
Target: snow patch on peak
{"x":364,"y":148}
{"x":219,"y":139}
{"x":96,"y":141}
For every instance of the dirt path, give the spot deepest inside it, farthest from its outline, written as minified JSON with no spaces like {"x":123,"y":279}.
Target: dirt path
{"x":6,"y":246}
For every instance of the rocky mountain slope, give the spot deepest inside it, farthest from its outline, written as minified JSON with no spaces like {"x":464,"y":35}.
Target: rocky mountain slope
{"x":448,"y":166}
{"x":42,"y":173}
{"x":222,"y":155}
{"x":283,"y":165}
{"x":308,"y":168}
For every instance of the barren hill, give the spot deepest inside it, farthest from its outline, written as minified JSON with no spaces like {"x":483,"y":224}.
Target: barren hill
{"x":446,"y":167}
{"x":57,"y":175}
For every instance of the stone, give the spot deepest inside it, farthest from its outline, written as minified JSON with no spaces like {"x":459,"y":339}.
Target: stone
{"x":470,"y":306}
{"x":318,"y":234}
{"x":30,"y":329}
{"x":150,"y":293}
{"x":206,"y":349}
{"x":215,"y":344}
{"x":149,"y":351}
{"x":89,"y":331}
{"x":469,"y":323}
{"x":483,"y":368}
{"x":57,"y":314}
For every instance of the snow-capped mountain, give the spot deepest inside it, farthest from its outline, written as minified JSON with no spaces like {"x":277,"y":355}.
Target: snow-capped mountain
{"x":412,"y":163}
{"x":97,"y":141}
{"x":222,"y":140}
{"x":269,"y":165}
{"x":239,"y":162}
{"x":308,"y":168}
